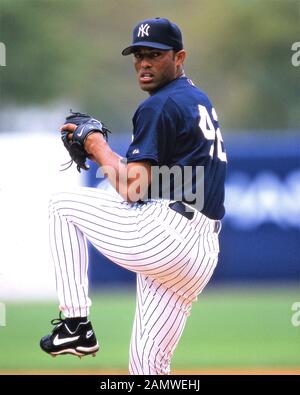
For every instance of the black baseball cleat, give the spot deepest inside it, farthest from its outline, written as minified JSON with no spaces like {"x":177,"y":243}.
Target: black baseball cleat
{"x":62,"y":340}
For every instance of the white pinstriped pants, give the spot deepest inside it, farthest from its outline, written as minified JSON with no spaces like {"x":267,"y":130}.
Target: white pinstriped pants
{"x":173,"y":257}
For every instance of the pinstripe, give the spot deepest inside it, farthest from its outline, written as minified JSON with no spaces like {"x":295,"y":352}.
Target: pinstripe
{"x":132,"y":259}
{"x":158,"y":362}
{"x":166,"y":320}
{"x":152,"y":262}
{"x":73,"y":266}
{"x":130,"y":256}
{"x":106,"y":218}
{"x":178,"y":285}
{"x":57,"y":278}
{"x":64,"y":299}
{"x":66,"y":268}
{"x":149,"y":364}
{"x":134,"y":346}
{"x":193,"y":282}
{"x":136,"y":333}
{"x":150,"y":316}
{"x":206,"y":276}
{"x":172,"y":339}
{"x":173,"y":257}
{"x":158,"y":274}
{"x":147,"y":224}
{"x":148,"y":305}
{"x":58,"y":270}
{"x":153,"y":341}
{"x":115,"y":238}
{"x":179,"y":328}
{"x":100,"y":225}
{"x":205,"y":273}
{"x":83,"y":264}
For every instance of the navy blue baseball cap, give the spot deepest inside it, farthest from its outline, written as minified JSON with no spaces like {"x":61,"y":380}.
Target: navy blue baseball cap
{"x":155,"y":33}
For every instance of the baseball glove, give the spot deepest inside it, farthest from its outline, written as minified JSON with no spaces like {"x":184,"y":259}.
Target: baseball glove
{"x":75,"y":146}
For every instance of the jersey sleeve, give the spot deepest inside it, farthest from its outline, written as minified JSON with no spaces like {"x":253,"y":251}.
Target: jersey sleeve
{"x":153,"y":134}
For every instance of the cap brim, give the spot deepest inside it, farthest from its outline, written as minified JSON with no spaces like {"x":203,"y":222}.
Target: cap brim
{"x":129,"y":50}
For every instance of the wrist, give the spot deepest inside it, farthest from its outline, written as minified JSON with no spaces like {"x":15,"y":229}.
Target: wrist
{"x":94,"y":142}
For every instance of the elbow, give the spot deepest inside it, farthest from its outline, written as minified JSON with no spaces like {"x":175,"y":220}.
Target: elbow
{"x":133,"y":200}
{"x":130,"y":196}
{"x":130,"y":199}
{"x":133,"y":191}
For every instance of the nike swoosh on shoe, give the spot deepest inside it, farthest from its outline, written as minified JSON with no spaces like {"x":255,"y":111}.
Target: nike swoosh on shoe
{"x":89,"y":334}
{"x":58,"y":342}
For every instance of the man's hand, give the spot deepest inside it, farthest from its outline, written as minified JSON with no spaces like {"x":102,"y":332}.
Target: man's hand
{"x":69,"y":127}
{"x":76,"y":134}
{"x":91,"y":144}
{"x":130,"y":180}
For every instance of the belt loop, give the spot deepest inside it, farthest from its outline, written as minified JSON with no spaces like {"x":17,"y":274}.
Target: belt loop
{"x":217,"y":226}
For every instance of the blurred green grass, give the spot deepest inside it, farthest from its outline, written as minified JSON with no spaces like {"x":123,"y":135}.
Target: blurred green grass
{"x":228,"y":328}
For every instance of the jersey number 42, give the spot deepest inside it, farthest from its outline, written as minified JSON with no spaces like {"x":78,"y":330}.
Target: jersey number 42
{"x":210,"y":133}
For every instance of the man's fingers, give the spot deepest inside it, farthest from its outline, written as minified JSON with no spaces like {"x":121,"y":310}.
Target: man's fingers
{"x":69,"y":126}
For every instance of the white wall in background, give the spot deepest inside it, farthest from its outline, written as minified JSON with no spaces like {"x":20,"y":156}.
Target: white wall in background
{"x":29,"y":174}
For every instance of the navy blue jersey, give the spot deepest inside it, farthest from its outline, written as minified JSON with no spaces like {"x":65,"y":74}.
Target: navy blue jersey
{"x":177,"y":126}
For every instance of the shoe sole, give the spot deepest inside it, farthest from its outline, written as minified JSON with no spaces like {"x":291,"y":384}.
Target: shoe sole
{"x":79,"y":351}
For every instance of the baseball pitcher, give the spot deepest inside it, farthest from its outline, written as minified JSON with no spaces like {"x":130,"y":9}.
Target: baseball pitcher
{"x":164,"y":231}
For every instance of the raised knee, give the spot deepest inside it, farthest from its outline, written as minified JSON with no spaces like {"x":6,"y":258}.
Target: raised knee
{"x":55,"y":202}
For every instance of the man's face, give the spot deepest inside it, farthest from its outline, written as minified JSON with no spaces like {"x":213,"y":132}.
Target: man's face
{"x":156,"y":68}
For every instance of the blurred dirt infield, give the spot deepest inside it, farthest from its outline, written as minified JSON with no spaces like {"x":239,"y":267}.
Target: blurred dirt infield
{"x":204,"y":372}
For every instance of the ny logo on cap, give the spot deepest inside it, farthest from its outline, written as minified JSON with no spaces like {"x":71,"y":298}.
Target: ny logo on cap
{"x":143,"y":30}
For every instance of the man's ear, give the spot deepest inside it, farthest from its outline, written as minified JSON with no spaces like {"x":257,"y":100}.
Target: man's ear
{"x":180,"y":57}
